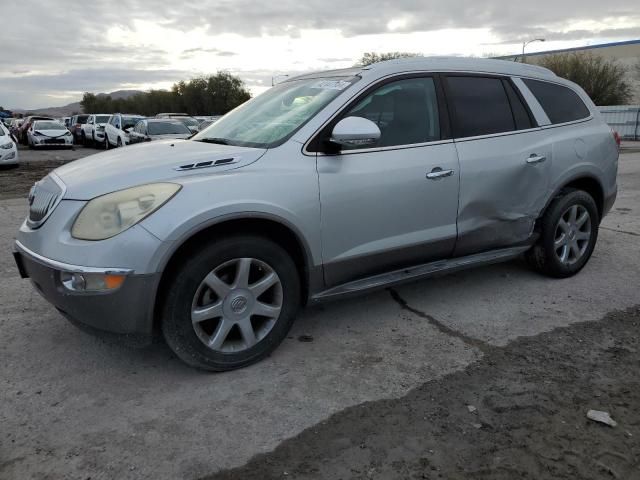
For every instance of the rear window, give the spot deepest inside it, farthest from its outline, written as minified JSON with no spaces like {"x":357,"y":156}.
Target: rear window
{"x":82,"y":118}
{"x":561,"y":104}
{"x":480,"y":105}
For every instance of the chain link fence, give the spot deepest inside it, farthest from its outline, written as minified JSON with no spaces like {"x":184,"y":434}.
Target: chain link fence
{"x":624,"y":119}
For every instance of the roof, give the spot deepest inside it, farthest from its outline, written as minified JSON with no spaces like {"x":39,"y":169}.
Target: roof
{"x":436,"y":64}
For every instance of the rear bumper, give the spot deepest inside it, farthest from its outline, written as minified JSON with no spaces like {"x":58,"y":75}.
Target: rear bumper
{"x":609,"y":200}
{"x":125,"y":311}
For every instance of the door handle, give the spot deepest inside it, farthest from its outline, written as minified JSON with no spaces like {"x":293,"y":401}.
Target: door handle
{"x":437,"y":173}
{"x":534,"y":158}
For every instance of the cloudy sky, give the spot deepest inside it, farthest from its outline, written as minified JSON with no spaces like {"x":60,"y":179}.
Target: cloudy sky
{"x":52,"y":51}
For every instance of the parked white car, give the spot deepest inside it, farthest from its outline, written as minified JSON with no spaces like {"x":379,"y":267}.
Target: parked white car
{"x":93,"y":131}
{"x":49,"y":133}
{"x":116,"y":130}
{"x":8,"y":147}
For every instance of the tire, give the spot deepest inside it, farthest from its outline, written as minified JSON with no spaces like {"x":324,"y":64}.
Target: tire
{"x":106,"y":141}
{"x":188,"y":295}
{"x":563,"y":248}
{"x":119,"y":143}
{"x":83,"y":138}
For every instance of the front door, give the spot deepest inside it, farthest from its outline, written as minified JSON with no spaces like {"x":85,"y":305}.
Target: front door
{"x":395,"y":204}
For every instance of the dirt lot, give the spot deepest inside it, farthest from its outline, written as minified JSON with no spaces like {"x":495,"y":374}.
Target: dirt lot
{"x":35,"y":164}
{"x":529,"y":402}
{"x":381,"y":391}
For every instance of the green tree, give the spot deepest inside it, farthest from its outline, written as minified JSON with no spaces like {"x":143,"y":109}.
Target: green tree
{"x":372,"y":57}
{"x":215,"y":94}
{"x":605,"y":81}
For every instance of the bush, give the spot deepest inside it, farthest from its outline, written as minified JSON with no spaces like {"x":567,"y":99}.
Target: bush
{"x":603,"y":80}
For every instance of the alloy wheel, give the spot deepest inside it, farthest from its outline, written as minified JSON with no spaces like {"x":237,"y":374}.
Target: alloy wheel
{"x":236,"y":305}
{"x":572,"y":234}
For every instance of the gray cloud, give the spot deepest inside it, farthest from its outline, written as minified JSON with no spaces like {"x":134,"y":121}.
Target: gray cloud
{"x":54,"y":43}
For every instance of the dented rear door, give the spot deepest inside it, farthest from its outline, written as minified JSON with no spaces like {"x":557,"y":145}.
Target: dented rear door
{"x":502,"y":191}
{"x":505,"y":162}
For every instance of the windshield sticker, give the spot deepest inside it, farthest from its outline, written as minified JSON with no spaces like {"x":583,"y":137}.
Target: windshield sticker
{"x":331,"y":84}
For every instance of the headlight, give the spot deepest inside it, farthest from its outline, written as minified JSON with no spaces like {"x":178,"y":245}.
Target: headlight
{"x":7,"y":146}
{"x":113,"y":213}
{"x":68,"y":134}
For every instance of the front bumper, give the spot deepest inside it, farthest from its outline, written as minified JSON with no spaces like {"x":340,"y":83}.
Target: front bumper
{"x":65,"y":141}
{"x":127,"y":310}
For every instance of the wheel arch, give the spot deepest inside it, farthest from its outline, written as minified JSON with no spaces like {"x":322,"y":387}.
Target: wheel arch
{"x":276,"y":229}
{"x":585,"y":182}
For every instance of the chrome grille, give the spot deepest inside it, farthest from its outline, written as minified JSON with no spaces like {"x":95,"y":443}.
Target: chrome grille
{"x":43,"y":198}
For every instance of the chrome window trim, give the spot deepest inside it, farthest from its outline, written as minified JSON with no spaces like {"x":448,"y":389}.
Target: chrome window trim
{"x":63,"y":190}
{"x":537,"y":110}
{"x":384,"y":149}
{"x":67,"y":267}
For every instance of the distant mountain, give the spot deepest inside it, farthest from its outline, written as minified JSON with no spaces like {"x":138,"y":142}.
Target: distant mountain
{"x":75,"y":107}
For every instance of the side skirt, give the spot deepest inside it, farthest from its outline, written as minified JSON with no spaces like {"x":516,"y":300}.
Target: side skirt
{"x":418,"y":272}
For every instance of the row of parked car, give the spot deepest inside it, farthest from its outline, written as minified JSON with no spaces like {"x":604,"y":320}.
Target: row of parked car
{"x":104,"y":130}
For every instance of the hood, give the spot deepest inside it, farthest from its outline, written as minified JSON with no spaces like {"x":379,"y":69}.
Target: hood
{"x":151,"y":162}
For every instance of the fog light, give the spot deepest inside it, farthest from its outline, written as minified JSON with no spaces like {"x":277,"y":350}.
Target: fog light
{"x":91,"y":282}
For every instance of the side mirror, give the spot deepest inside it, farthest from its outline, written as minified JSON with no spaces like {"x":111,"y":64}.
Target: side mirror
{"x":355,"y":132}
{"x":126,"y":129}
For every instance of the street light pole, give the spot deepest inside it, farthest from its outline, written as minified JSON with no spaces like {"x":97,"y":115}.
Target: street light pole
{"x":524,"y":45}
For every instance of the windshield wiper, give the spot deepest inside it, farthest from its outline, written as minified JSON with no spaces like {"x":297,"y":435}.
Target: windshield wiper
{"x":219,"y":141}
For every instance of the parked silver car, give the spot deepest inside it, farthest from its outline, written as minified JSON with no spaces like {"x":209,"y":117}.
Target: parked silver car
{"x":327,"y":185}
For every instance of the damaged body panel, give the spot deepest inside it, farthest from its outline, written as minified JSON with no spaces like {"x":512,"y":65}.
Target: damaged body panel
{"x":501,"y":192}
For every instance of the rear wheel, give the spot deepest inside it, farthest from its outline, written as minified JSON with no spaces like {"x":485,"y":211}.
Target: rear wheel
{"x":569,"y":231}
{"x":119,"y":142}
{"x":106,"y":141}
{"x":231,"y":303}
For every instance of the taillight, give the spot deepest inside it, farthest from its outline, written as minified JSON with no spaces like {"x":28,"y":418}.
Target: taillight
{"x":617,"y":138}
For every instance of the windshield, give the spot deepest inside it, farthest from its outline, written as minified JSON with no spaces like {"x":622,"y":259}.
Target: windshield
{"x":102,"y":118}
{"x":167,"y":128}
{"x":40,"y":125}
{"x":188,"y":121}
{"x":130,"y":122}
{"x":269,"y":119}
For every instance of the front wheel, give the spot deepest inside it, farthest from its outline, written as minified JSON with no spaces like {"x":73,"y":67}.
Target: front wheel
{"x":231,"y":303}
{"x":569,"y":231}
{"x":119,"y":142}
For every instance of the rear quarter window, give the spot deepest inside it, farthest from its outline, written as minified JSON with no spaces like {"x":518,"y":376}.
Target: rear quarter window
{"x":560,"y":103}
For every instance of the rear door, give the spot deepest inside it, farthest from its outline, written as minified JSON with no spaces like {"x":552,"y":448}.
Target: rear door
{"x":505,"y":162}
{"x":394,"y":204}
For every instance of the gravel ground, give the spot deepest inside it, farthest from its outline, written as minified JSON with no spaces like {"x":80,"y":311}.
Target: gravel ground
{"x":386,"y":378}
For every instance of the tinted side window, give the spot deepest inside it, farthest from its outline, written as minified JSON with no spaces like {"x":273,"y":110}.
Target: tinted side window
{"x":561,"y":104}
{"x":406,"y":111}
{"x":520,"y":113}
{"x":480,"y":106}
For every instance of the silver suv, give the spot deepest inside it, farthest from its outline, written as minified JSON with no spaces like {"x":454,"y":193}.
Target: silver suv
{"x":327,"y":185}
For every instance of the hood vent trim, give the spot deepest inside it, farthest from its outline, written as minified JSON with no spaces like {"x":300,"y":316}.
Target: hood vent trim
{"x":210,"y":163}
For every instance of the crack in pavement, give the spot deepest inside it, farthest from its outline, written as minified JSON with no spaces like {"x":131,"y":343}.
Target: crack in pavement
{"x":471,"y":341}
{"x":620,"y":231}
